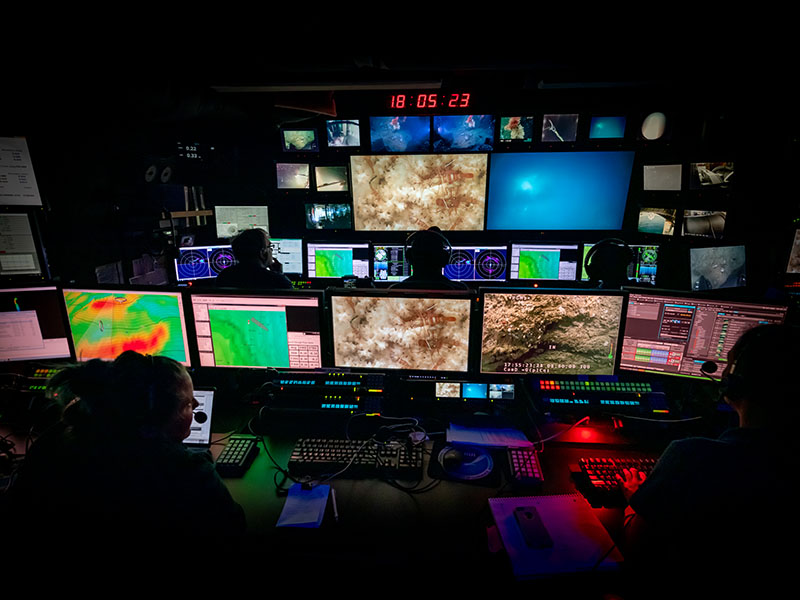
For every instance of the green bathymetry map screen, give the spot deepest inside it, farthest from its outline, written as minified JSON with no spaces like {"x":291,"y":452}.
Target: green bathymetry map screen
{"x":249,"y":338}
{"x":538,"y":264}
{"x":333,"y":263}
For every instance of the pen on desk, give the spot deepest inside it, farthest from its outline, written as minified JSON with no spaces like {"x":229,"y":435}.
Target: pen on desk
{"x":335,"y":508}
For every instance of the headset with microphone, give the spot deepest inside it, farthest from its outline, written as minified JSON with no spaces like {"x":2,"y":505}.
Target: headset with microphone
{"x":424,"y":238}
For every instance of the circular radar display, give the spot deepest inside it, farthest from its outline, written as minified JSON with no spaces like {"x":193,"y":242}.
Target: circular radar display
{"x":491,"y":264}
{"x":220,"y":260}
{"x":649,"y":255}
{"x":193,"y":264}
{"x":461,"y":265}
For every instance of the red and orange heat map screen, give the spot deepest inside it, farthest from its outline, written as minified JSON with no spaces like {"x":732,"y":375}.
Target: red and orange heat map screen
{"x":106,"y":323}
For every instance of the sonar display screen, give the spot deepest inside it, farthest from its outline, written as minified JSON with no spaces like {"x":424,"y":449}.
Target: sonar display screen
{"x":105,"y":323}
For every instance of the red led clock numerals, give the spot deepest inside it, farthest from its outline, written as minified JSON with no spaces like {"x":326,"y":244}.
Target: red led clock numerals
{"x":458,"y":100}
{"x":401,"y":101}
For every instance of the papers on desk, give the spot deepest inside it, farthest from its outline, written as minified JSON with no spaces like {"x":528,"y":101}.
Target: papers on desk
{"x":497,"y":438}
{"x":304,"y":507}
{"x":552,"y":535}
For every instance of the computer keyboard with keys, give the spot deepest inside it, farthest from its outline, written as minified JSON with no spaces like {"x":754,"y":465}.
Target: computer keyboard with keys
{"x":355,"y":459}
{"x":598,"y":477}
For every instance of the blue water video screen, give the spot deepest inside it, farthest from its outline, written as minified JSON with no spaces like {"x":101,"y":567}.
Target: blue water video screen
{"x":467,"y":133}
{"x":400,"y":134}
{"x":558,"y":190}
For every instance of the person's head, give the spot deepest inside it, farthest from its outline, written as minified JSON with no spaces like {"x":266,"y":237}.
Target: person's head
{"x":428,"y":250}
{"x":253,"y":246}
{"x":135,"y":394}
{"x":758,"y":381}
{"x":607,"y":262}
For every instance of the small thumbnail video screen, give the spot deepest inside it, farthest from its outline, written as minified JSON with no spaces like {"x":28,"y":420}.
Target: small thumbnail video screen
{"x":331,"y":178}
{"x":516,"y":129}
{"x":400,"y":134}
{"x":477,"y":263}
{"x":710,"y":175}
{"x":560,"y":128}
{"x":329,"y":216}
{"x":607,"y":128}
{"x":289,"y":252}
{"x":407,"y":332}
{"x":105,"y":323}
{"x":412,"y":192}
{"x":544,"y":261}
{"x":718,"y":267}
{"x":300,"y":140}
{"x":662,"y":177}
{"x":660,"y":221}
{"x":793,"y":266}
{"x":704,"y":223}
{"x":33,"y":325}
{"x":550,"y":333}
{"x":293,"y":176}
{"x":231,"y":220}
{"x":464,"y":133}
{"x":337,"y":259}
{"x":389,"y":263}
{"x":343,"y":133}
{"x":202,"y":262}
{"x":642,"y":269}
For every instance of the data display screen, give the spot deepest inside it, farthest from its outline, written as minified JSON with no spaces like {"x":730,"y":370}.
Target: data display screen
{"x":337,"y":260}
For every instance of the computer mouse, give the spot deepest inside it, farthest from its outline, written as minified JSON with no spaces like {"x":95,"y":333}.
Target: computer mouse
{"x":452,"y":459}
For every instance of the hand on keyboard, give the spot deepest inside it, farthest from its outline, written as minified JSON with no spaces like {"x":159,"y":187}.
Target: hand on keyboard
{"x":630,"y":480}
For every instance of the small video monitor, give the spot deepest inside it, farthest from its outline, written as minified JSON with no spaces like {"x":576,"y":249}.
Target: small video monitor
{"x":463,"y":133}
{"x":659,"y":221}
{"x":477,"y":263}
{"x":543,"y":261}
{"x":232,"y":220}
{"x":560,"y":128}
{"x":575,"y":332}
{"x":337,"y":259}
{"x":202,"y":262}
{"x":704,"y":223}
{"x":642,"y":269}
{"x":401,"y":331}
{"x":105,"y":322}
{"x":280,"y":330}
{"x":331,"y":178}
{"x":662,"y":177}
{"x":293,"y":176}
{"x":607,"y":128}
{"x":708,"y":176}
{"x":718,"y":267}
{"x":516,"y":129}
{"x":299,"y":140}
{"x":673,"y":333}
{"x":389,"y":263}
{"x":33,"y":324}
{"x":793,"y":263}
{"x":343,"y":133}
{"x":289,"y":252}
{"x":400,"y":134}
{"x":329,"y":215}
{"x":19,"y":253}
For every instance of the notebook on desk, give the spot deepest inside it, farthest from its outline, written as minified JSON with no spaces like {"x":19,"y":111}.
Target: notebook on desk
{"x":553,"y":535}
{"x":199,"y":439}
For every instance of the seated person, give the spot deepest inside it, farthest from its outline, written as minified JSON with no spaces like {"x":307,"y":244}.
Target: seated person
{"x":607,"y":264}
{"x":256,"y":267}
{"x":428,"y":251}
{"x":113,"y":472}
{"x":713,"y":505}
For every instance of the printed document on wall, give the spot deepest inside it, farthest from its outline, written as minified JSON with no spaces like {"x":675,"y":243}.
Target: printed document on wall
{"x":17,"y":180}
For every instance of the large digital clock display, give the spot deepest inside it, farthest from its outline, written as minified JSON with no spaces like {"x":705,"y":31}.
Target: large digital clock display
{"x":429,"y":101}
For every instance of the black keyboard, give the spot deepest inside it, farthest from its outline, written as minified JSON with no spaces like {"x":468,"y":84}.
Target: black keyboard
{"x":355,"y":459}
{"x":601,"y":485}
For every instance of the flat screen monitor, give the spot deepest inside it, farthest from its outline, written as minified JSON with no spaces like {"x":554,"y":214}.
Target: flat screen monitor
{"x":400,"y":134}
{"x":704,"y":223}
{"x":540,"y":261}
{"x":658,"y":221}
{"x":289,"y":252}
{"x":280,"y":331}
{"x":718,"y":267}
{"x":232,"y":220}
{"x":642,"y":269}
{"x":548,"y":332}
{"x":412,"y":331}
{"x":33,"y":324}
{"x":607,"y":128}
{"x":477,"y":263}
{"x":105,"y":322}
{"x":18,"y":246}
{"x":202,"y":262}
{"x":336,"y":260}
{"x":329,"y":216}
{"x":331,"y":178}
{"x":293,"y":176}
{"x":343,"y":133}
{"x":417,"y":191}
{"x":558,"y":190}
{"x":299,"y":140}
{"x":389,"y":263}
{"x":672,"y":333}
{"x":463,"y":133}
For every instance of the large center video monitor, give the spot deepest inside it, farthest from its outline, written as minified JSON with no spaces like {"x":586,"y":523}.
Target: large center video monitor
{"x":543,"y":261}
{"x":558,"y":190}
{"x":336,"y":260}
{"x":106,"y":322}
{"x":548,"y":332}
{"x":394,"y":330}
{"x":477,"y":263}
{"x":674,"y":334}
{"x":280,"y":331}
{"x":32,"y":324}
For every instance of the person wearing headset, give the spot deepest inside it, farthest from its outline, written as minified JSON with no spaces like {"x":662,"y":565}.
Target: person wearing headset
{"x":113,"y":470}
{"x":255,"y":267}
{"x":710,"y":505}
{"x":606,"y":263}
{"x":428,"y":251}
